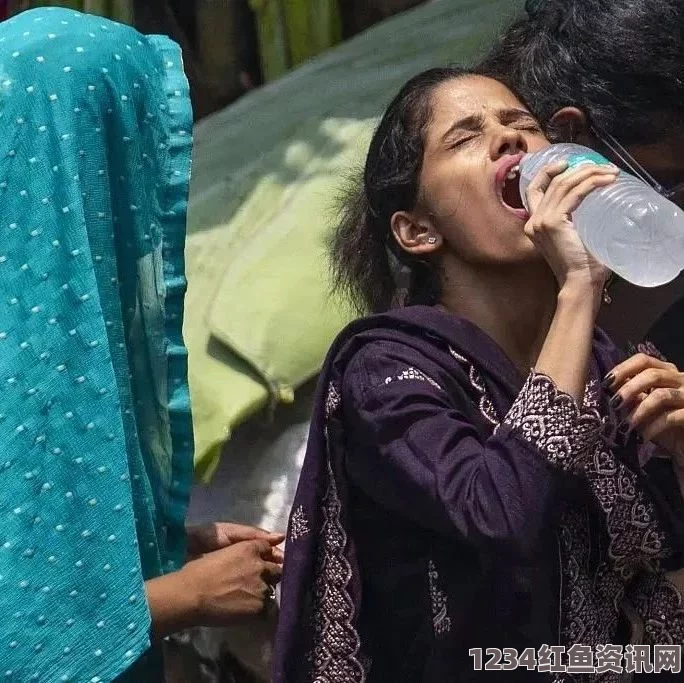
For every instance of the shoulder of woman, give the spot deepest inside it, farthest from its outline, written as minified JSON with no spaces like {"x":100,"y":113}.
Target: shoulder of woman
{"x":380,"y":363}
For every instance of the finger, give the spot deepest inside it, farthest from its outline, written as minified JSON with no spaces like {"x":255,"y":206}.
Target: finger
{"x":561,"y":184}
{"x":234,"y":533}
{"x":657,"y":403}
{"x":662,"y":424}
{"x":201,"y":539}
{"x":276,"y":538}
{"x":254,"y":549}
{"x":277,"y":555}
{"x":540,"y":183}
{"x":574,"y":176}
{"x":631,"y":367}
{"x":564,"y":185}
{"x":644,"y":383}
{"x":272,"y":572}
{"x":577,"y":194}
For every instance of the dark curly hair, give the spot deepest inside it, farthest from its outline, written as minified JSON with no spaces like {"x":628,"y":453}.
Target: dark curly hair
{"x":367,"y":264}
{"x":621,"y":61}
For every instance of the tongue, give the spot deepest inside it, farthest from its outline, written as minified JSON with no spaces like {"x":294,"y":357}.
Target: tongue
{"x":510,"y":193}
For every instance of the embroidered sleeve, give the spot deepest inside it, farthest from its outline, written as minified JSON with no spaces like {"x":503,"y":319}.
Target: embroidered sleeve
{"x":408,"y":440}
{"x":658,"y":602}
{"x":550,"y":420}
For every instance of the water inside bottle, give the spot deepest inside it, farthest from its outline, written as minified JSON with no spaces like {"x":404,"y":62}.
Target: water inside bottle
{"x":627,"y":226}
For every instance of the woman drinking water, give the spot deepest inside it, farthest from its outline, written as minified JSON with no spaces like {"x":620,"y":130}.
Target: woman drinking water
{"x":474,"y":472}
{"x":618,"y":90}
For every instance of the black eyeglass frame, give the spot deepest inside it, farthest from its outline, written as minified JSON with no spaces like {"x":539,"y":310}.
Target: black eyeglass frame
{"x":632,"y":165}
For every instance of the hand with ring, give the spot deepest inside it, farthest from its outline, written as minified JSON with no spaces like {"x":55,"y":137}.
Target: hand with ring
{"x":649,"y":392}
{"x":233,"y":582}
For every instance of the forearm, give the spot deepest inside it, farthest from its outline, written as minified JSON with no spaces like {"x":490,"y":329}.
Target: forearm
{"x":173,"y":604}
{"x":566,"y":351}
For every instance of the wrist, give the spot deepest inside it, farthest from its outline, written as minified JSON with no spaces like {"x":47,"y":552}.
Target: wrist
{"x":174,"y":603}
{"x":577,"y":294}
{"x":581,"y":291}
{"x":190,"y":594}
{"x":584,"y":281}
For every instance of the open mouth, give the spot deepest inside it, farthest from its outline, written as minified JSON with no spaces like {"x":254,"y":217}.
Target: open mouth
{"x":510,"y":190}
{"x":508,"y":186}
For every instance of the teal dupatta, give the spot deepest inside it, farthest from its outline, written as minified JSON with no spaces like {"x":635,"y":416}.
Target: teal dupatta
{"x":95,"y":431}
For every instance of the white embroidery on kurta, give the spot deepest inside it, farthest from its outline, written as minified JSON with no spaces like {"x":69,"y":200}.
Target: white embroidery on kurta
{"x":335,"y":654}
{"x":299,"y":524}
{"x":485,"y":404}
{"x":441,"y":621}
{"x":413,"y":374}
{"x":576,"y":440}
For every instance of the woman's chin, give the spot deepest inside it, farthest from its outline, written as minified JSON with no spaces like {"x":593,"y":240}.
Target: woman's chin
{"x":528,"y":253}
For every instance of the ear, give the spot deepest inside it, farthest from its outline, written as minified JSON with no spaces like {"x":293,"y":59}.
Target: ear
{"x":415,"y":236}
{"x":570,"y":124}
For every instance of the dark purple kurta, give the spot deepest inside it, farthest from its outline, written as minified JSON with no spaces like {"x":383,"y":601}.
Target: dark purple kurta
{"x":448,"y":503}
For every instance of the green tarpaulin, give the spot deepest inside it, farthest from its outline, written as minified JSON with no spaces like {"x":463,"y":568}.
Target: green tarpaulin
{"x":259,"y":318}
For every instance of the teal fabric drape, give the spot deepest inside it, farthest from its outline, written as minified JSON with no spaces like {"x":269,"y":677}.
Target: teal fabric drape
{"x":95,"y":432}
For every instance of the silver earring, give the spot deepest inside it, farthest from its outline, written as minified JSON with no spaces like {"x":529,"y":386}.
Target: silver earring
{"x":432,"y":240}
{"x":607,"y":298}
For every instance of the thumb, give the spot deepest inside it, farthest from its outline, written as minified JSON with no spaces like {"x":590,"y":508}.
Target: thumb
{"x":540,"y":184}
{"x":276,"y":538}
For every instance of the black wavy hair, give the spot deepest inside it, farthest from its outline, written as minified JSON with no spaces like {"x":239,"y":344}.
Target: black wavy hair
{"x":621,"y":61}
{"x":367,"y":265}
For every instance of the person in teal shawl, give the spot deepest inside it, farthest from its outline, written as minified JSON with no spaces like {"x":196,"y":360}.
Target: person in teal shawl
{"x":95,"y":426}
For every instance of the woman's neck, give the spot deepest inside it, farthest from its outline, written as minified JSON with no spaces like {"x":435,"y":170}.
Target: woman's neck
{"x":514,"y":306}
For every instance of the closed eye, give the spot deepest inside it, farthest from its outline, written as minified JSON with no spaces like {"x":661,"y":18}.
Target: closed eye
{"x":530,"y":126}
{"x":461,"y":142}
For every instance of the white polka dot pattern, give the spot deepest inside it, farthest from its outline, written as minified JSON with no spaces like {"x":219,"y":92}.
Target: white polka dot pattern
{"x":94,"y":420}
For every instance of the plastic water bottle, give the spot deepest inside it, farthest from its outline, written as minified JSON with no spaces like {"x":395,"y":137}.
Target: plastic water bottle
{"x":627,"y":226}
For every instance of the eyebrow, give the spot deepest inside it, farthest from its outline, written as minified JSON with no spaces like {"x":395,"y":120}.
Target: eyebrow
{"x":507,"y":116}
{"x":475,"y":122}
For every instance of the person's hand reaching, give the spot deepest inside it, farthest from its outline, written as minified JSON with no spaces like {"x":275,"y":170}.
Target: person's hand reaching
{"x":215,"y":589}
{"x":206,"y":538}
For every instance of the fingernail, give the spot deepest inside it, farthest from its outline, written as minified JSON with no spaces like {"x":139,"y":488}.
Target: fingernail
{"x":608,"y":380}
{"x":616,"y":401}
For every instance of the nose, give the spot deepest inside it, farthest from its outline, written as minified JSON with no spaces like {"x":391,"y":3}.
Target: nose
{"x":507,"y":141}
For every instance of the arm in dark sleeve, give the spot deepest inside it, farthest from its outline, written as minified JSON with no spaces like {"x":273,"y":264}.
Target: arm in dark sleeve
{"x":659,"y":470}
{"x":416,"y":454}
{"x":664,"y":488}
{"x":657,"y":600}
